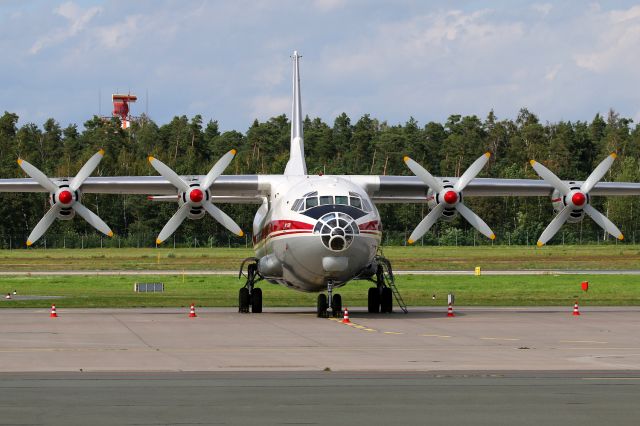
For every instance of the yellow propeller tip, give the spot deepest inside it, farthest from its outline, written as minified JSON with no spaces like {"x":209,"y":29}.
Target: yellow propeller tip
{"x":614,"y":155}
{"x":20,"y":161}
{"x":29,"y":243}
{"x":406,"y":158}
{"x":533,"y":162}
{"x":240,"y":234}
{"x":539,"y":243}
{"x":410,"y":241}
{"x":621,"y":237}
{"x":150,"y":158}
{"x":158,"y":241}
{"x":101,"y":152}
{"x":233,"y":152}
{"x":492,"y":236}
{"x":488,"y":154}
{"x":110,"y":234}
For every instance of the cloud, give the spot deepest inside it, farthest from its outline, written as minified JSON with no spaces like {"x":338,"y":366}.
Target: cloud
{"x":264,"y":107}
{"x":328,"y":5}
{"x":552,"y":73}
{"x":77,"y":21}
{"x":617,"y":33}
{"x":542,"y":8}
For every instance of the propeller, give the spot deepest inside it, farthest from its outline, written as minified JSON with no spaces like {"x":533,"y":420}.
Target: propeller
{"x":449,"y":197}
{"x":195,"y":196}
{"x":576,"y":199}
{"x":65,"y":197}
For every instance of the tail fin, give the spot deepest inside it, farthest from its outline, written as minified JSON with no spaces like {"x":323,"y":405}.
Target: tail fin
{"x":296,"y":164}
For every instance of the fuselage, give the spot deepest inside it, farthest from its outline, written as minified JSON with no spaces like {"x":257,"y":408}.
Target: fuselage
{"x":315,"y":229}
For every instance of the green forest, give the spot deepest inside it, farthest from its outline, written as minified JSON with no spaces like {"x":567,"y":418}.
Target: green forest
{"x":347,"y":146}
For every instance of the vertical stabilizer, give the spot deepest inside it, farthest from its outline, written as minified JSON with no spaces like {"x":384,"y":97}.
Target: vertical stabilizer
{"x":296,"y":164}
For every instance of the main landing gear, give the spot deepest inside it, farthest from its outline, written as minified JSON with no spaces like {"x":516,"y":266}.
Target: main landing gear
{"x":329,"y":300}
{"x":380,"y":297}
{"x":250,"y":296}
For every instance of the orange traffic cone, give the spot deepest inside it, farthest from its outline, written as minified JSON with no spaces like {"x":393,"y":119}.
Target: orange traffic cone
{"x":576,"y":312}
{"x":192,"y":311}
{"x":53,"y":312}
{"x":450,"y":311}
{"x":345,"y":317}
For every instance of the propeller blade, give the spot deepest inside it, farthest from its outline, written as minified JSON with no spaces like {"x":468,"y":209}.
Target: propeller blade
{"x":472,"y":172}
{"x":44,"y":224}
{"x":169,"y":175}
{"x":86,"y":170}
{"x":426,"y":223}
{"x":223,"y":219}
{"x":597,"y":174}
{"x":603,"y":221}
{"x":38,"y":176}
{"x":173,"y":224}
{"x":475,"y":221}
{"x":424,"y":175}
{"x":554,"y":226}
{"x":550,"y":178}
{"x":217,"y":169}
{"x":92,"y":218}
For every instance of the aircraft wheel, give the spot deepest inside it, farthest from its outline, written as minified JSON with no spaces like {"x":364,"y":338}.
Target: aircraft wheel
{"x":256,"y":300}
{"x":374,"y":300}
{"x":386,"y":300}
{"x":336,"y":305}
{"x":243,"y":300}
{"x":322,"y":305}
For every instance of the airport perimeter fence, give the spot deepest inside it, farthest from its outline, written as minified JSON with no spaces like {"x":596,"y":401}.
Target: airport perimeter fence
{"x":450,"y":237}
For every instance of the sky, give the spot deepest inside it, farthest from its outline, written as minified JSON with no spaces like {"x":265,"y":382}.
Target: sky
{"x":230,"y":61}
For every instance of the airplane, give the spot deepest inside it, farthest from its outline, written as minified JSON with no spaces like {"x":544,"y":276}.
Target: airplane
{"x":316,"y":233}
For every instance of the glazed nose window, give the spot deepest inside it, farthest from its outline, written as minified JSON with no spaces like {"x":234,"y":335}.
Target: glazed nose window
{"x":336,"y":230}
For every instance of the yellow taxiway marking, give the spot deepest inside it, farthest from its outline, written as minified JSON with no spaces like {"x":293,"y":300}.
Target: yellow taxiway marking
{"x":498,"y":338}
{"x":582,"y":341}
{"x":353,"y":324}
{"x":392,"y":332}
{"x":436,"y":335}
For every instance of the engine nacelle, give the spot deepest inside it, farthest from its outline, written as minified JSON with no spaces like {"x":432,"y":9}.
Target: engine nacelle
{"x":559,"y":203}
{"x":433,"y":199}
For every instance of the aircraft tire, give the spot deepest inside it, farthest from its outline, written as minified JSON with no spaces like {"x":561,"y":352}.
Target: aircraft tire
{"x":373,"y":300}
{"x":386,"y":300}
{"x":243,"y":300}
{"x":336,"y":305}
{"x":322,"y":305}
{"x":256,"y":300}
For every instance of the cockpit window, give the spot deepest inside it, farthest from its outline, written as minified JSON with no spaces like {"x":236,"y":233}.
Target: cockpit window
{"x":297,"y":204}
{"x":342,"y":199}
{"x":311,"y":202}
{"x":367,"y":206}
{"x":326,"y":200}
{"x":355,"y":202}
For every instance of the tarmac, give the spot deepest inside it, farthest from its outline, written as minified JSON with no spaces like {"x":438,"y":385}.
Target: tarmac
{"x":485,"y":366}
{"x":294,"y":339}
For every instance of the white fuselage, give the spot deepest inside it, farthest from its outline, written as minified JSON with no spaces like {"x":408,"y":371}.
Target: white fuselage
{"x":316,"y":229}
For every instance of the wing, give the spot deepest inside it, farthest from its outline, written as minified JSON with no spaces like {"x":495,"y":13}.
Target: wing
{"x":411,"y":189}
{"x":226,"y":189}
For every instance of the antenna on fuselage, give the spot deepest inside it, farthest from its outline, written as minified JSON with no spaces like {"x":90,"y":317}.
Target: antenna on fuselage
{"x":296,"y":164}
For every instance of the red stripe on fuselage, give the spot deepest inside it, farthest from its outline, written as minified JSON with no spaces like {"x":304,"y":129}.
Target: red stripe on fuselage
{"x":281,"y":225}
{"x":373,"y":225}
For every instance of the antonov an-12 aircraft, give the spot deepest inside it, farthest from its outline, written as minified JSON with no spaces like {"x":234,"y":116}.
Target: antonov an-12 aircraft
{"x":317,"y":233}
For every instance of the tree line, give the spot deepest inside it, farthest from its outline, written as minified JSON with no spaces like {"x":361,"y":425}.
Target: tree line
{"x":363,"y":146}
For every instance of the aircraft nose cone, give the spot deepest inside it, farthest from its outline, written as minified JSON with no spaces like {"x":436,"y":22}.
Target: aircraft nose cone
{"x":196,"y":195}
{"x":578,"y":199}
{"x":65,"y":197}
{"x":450,"y":197}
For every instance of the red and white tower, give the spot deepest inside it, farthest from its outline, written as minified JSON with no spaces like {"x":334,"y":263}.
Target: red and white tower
{"x":121,"y":108}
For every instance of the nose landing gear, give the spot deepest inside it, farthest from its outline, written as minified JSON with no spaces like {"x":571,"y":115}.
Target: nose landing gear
{"x":329,"y":300}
